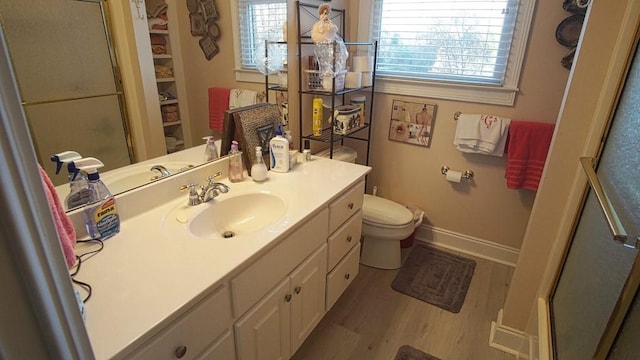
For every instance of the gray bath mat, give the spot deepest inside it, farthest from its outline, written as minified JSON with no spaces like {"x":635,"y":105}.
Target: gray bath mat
{"x":436,"y":277}
{"x":407,"y":352}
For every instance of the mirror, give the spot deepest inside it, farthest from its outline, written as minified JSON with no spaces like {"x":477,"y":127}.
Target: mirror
{"x":62,"y":58}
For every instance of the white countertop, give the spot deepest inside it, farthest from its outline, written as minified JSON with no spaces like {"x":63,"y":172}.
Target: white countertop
{"x":144,"y":274}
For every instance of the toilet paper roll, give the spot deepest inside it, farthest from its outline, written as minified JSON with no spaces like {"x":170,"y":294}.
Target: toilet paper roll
{"x":367,"y":78}
{"x":454,"y":176}
{"x":353,"y":80}
{"x":362,"y":63}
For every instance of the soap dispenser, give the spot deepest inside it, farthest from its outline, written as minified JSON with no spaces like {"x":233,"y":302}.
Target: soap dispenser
{"x":235,"y":163}
{"x":100,"y":214}
{"x":259,"y":168}
{"x":279,"y":152}
{"x":210,"y":150}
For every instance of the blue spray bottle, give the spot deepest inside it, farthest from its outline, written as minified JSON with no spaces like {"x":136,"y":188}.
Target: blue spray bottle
{"x":78,"y":191}
{"x":100,"y":214}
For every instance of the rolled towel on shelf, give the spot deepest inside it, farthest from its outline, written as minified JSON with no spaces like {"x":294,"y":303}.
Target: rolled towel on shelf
{"x":527,"y":149}
{"x":481,"y":134}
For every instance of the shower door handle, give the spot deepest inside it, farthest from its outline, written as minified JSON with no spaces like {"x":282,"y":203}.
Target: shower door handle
{"x":610,"y":214}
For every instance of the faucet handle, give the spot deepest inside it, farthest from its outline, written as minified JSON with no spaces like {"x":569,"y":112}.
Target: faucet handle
{"x":212,"y":177}
{"x":191,"y":187}
{"x":194,"y":198}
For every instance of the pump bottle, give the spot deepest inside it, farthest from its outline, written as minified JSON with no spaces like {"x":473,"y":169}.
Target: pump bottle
{"x":100,"y":214}
{"x":210,"y":150}
{"x":279,"y":152}
{"x":259,"y":168}
{"x":235,"y":163}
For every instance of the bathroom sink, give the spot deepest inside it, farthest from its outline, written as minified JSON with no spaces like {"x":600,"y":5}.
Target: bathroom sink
{"x":227,"y":217}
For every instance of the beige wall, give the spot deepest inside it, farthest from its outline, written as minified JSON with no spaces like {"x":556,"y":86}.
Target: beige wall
{"x":587,"y":105}
{"x":484,"y":208}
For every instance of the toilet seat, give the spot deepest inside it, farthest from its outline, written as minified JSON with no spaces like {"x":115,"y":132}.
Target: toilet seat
{"x":380,"y":212}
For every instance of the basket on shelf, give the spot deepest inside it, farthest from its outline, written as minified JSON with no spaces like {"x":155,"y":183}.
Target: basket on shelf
{"x":322,"y":82}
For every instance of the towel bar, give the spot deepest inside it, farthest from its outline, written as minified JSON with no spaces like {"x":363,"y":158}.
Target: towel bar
{"x":467,"y":174}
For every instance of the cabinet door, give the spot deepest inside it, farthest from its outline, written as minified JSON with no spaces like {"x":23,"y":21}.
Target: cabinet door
{"x":264,"y":332}
{"x":308,"y":288}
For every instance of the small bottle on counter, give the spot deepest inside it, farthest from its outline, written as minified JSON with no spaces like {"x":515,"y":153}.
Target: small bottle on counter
{"x":259,"y":169}
{"x":236,"y":171}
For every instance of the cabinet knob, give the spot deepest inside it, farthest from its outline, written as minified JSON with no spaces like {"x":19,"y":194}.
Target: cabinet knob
{"x":350,"y":206}
{"x":347,"y":276}
{"x":287,"y":298}
{"x":349,"y":238}
{"x":180,"y":351}
{"x":297,"y":289}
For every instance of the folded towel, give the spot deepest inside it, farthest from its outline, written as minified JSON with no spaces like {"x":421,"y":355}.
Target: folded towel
{"x":218,"y":104}
{"x":64,"y":227}
{"x":527,"y":149}
{"x":481,"y":134}
{"x":242,"y":97}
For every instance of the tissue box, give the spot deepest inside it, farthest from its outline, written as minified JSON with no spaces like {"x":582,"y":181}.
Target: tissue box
{"x":346,"y":118}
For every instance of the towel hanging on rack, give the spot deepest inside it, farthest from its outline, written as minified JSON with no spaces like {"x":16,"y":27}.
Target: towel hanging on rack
{"x":481,"y":134}
{"x":527,"y":149}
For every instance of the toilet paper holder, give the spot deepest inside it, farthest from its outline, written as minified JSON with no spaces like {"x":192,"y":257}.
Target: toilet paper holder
{"x":467,"y":174}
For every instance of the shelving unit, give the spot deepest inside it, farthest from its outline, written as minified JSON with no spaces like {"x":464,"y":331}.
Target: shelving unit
{"x":306,"y":95}
{"x":168,"y":92}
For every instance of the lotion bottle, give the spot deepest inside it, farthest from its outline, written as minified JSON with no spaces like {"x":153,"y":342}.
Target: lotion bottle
{"x":210,"y":150}
{"x":259,"y":169}
{"x":235,"y":163}
{"x":279,"y":152}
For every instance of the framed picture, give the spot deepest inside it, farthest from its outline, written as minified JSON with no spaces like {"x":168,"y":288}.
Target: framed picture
{"x":209,"y":47}
{"x":209,"y":9}
{"x":412,"y":122}
{"x":198,"y":24}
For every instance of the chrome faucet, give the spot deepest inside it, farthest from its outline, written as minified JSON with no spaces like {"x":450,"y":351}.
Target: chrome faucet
{"x":164,"y":172}
{"x":207,"y":192}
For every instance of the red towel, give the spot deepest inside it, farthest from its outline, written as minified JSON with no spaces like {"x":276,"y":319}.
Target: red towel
{"x":64,"y":227}
{"x":218,"y":104}
{"x":527,"y":148}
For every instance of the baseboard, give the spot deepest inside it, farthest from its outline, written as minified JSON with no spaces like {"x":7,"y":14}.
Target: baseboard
{"x":468,"y":245}
{"x":510,"y":340}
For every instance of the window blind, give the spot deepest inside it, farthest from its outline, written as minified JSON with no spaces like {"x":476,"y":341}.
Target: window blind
{"x":259,"y":20}
{"x":464,"y":41}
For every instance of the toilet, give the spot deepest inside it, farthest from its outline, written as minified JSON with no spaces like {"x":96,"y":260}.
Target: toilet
{"x":384,"y":224}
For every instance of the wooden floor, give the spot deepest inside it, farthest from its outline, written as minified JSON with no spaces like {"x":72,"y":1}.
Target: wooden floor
{"x":371,"y":321}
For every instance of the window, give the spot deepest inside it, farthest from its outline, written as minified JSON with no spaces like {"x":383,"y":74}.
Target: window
{"x":259,"y":20}
{"x":468,"y":50}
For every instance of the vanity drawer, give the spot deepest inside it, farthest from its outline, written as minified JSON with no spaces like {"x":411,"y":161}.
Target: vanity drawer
{"x":345,"y":206}
{"x":261,"y":276}
{"x":193,"y":332}
{"x":344,"y":238}
{"x":341,"y":277}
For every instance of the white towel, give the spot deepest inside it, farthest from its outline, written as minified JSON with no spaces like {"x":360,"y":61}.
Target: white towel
{"x":242,"y":97}
{"x":481,"y":134}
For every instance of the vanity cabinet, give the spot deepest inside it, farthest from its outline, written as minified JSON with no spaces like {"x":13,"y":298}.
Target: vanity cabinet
{"x":204,"y":332}
{"x":345,"y":225}
{"x":276,"y":326}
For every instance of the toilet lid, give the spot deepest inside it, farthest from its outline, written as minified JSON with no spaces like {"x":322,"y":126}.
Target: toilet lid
{"x":377,"y":210}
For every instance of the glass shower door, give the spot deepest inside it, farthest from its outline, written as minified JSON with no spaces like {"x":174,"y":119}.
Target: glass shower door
{"x":600,"y":275}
